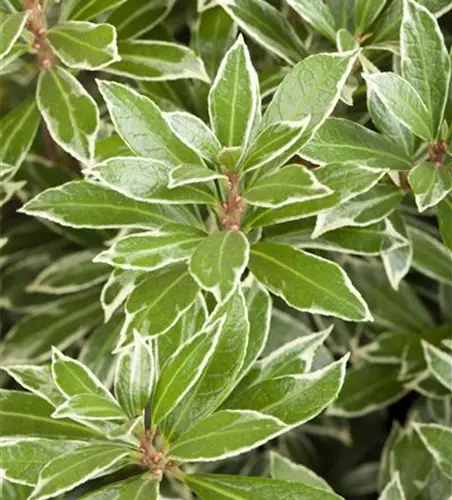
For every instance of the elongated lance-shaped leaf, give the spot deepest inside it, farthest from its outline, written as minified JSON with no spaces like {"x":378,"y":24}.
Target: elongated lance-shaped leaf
{"x":265,"y":24}
{"x":142,"y":126}
{"x":84,"y":45}
{"x":403,"y":102}
{"x":191,"y":174}
{"x":91,"y":205}
{"x":318,"y":14}
{"x":307,"y":282}
{"x":438,"y":441}
{"x":70,"y":113}
{"x":291,"y":184}
{"x":183,"y":369}
{"x":151,"y":60}
{"x":79,"y":466}
{"x":116,"y":290}
{"x":153,"y":250}
{"x":219,"y":375}
{"x":11,"y":27}
{"x":225,"y":434}
{"x":444,"y":214}
{"x":135,"y":487}
{"x":88,"y":9}
{"x":234,"y":101}
{"x":90,"y":407}
{"x":134,"y":377}
{"x":439,"y":363}
{"x":430,"y":184}
{"x":219,"y":261}
{"x":425,"y":60}
{"x":17,"y":130}
{"x":366,"y":12}
{"x":393,"y":490}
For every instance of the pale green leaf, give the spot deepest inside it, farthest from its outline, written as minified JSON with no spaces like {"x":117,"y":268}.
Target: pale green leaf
{"x":116,"y":290}
{"x":70,"y":113}
{"x":89,"y":407}
{"x":430,"y":184}
{"x":439,"y":363}
{"x":393,"y":490}
{"x":366,"y":12}
{"x":425,"y":60}
{"x":133,"y":488}
{"x":290,"y":184}
{"x":134,"y":377}
{"x":444,"y":214}
{"x":265,"y":24}
{"x":9,"y":189}
{"x":403,"y":102}
{"x":219,"y":261}
{"x":234,"y":102}
{"x":307,"y":282}
{"x":12,"y":62}
{"x":317,"y":14}
{"x":225,"y":434}
{"x":84,"y":45}
{"x":88,"y":9}
{"x":151,"y":60}
{"x":438,"y":441}
{"x":191,"y":174}
{"x":11,"y":27}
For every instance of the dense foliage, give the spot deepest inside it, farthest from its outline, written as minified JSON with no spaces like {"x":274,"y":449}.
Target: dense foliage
{"x":226,"y":249}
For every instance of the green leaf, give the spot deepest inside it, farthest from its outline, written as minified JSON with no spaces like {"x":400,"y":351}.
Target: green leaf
{"x":290,"y":184}
{"x":154,"y":250}
{"x":110,"y":147}
{"x":366,"y":12}
{"x":222,"y":487}
{"x":25,"y":414}
{"x":11,"y":27}
{"x":88,"y":9}
{"x":17,"y":130}
{"x":219,"y":261}
{"x":318,"y":14}
{"x":438,"y":441}
{"x":234,"y":102}
{"x":444,"y":214}
{"x":312,"y":88}
{"x":118,"y":287}
{"x":307,"y":282}
{"x":273,"y":146}
{"x":135,"y":377}
{"x":225,"y":434}
{"x":368,"y":388}
{"x":66,"y":472}
{"x":70,"y":113}
{"x":90,"y":205}
{"x":8,"y":190}
{"x":63,"y":323}
{"x":17,"y":451}
{"x":133,"y":488}
{"x":136,"y":17}
{"x":294,"y":399}
{"x":219,"y":375}
{"x":89,"y":407}
{"x":439,"y":363}
{"x":341,"y":140}
{"x":84,"y":45}
{"x":430,"y":256}
{"x":284,"y":469}
{"x":143,"y":127}
{"x":183,"y":369}
{"x":151,"y":60}
{"x":403,"y":102}
{"x":430,"y":183}
{"x":158,"y":301}
{"x":425,"y":60}
{"x":191,"y":174}
{"x":72,"y":273}
{"x":393,"y":490}
{"x":265,"y":25}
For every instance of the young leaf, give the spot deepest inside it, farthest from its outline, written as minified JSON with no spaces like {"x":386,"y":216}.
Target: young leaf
{"x":219,"y":261}
{"x":430,"y":183}
{"x":89,"y":407}
{"x":11,"y":27}
{"x":79,"y":466}
{"x":444,"y":214}
{"x":118,"y":287}
{"x":393,"y":490}
{"x":234,"y":101}
{"x":291,"y":184}
{"x":143,"y":127}
{"x":70,"y":113}
{"x":84,"y":45}
{"x":182,"y":370}
{"x":265,"y":24}
{"x":438,"y":441}
{"x":225,"y":434}
{"x":439,"y":363}
{"x":366,"y":12}
{"x":307,"y":282}
{"x":154,"y":250}
{"x":318,"y":14}
{"x":17,"y":130}
{"x":135,"y":377}
{"x":425,"y":60}
{"x":89,"y":9}
{"x":135,"y":487}
{"x":151,"y":60}
{"x":402,"y":101}
{"x":191,"y":174}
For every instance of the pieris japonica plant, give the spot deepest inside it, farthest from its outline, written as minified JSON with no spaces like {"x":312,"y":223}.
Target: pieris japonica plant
{"x":226,"y":249}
